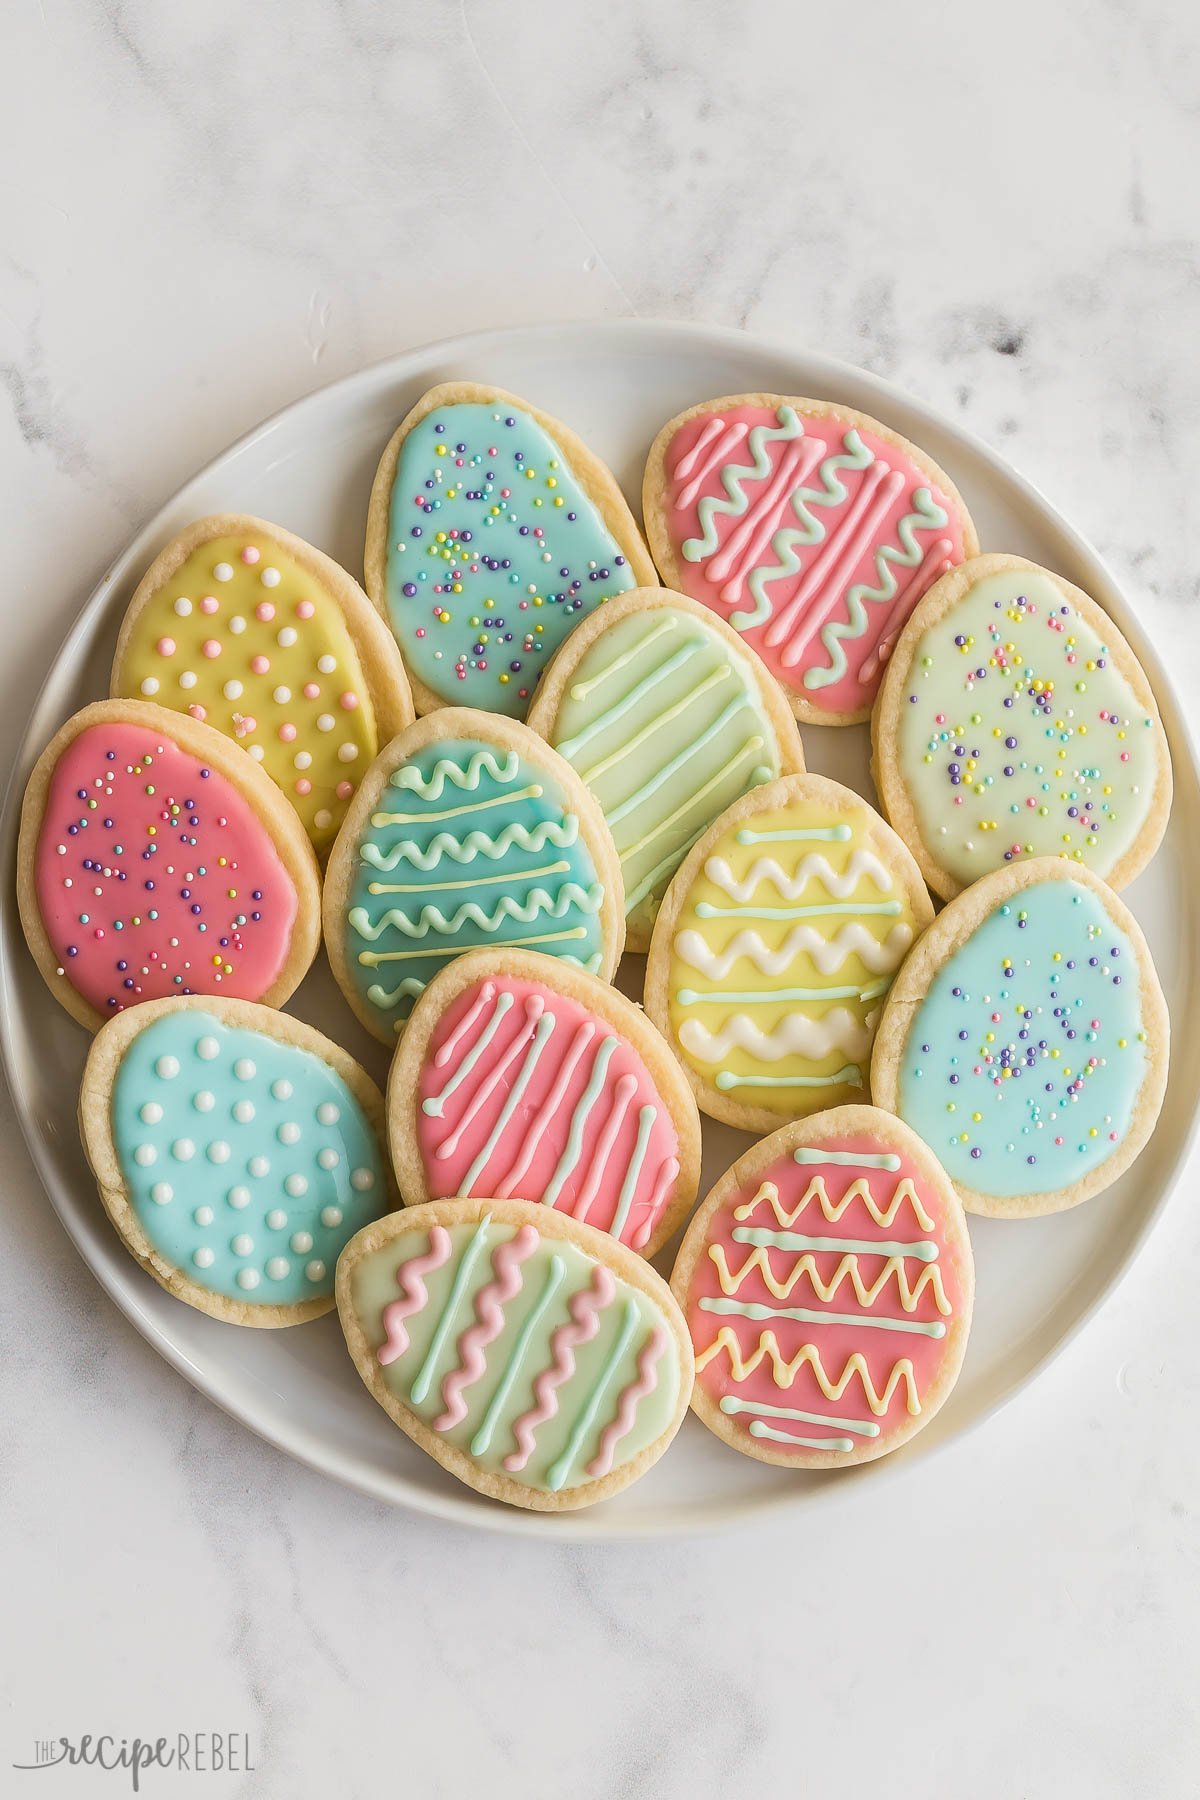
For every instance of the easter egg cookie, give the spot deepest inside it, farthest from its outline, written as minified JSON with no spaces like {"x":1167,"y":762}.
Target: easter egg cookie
{"x":774,"y":947}
{"x":155,"y":859}
{"x":493,"y":531}
{"x":1026,"y":1039}
{"x":467,"y":830}
{"x":251,"y":630}
{"x":811,"y":528}
{"x":668,"y":719}
{"x":236,"y":1151}
{"x":535,"y":1358}
{"x":1015,"y":721}
{"x":519,"y":1075}
{"x":827,"y":1283}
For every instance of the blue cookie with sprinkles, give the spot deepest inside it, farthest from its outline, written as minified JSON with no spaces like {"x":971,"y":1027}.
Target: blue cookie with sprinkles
{"x":468,"y":831}
{"x":1026,"y":1039}
{"x":492,"y":532}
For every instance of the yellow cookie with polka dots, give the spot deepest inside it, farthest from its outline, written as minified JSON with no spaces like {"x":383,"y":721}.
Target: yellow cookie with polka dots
{"x":251,"y":630}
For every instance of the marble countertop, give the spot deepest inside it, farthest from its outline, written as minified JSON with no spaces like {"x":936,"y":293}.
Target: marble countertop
{"x":208,"y":210}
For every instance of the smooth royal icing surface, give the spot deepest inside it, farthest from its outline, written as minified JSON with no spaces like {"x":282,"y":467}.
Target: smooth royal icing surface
{"x":1023,"y":1062}
{"x":468,"y":844}
{"x":246,"y":640}
{"x":1018,"y":736}
{"x":494,"y":553}
{"x":821,"y":1302}
{"x":522,"y":1351}
{"x":526,"y":1094}
{"x":155,"y":877}
{"x":814,"y":538}
{"x":248,"y":1161}
{"x":783,"y":950}
{"x":666,"y":727}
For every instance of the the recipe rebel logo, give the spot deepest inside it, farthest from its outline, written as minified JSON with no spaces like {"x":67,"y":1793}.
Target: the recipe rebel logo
{"x":191,"y":1753}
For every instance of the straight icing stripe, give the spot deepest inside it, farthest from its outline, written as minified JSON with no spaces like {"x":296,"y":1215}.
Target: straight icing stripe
{"x":864,"y":1427}
{"x":847,"y":1159}
{"x":558,"y":1471}
{"x":512,"y":1368}
{"x":924,"y":1249}
{"x":760,"y":1430}
{"x":445,"y":1324}
{"x":646,"y":1118}
{"x":574,"y":1145}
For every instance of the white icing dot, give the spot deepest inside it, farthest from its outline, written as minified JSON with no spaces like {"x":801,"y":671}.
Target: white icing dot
{"x":167,"y":1067}
{"x":145,"y":1154}
{"x":278,"y":1267}
{"x":203,"y":1215}
{"x":243,"y":1111}
{"x":328,"y":1159}
{"x":259,"y":1166}
{"x":286,"y":638}
{"x":244,"y":1069}
{"x":218,"y":1151}
{"x":281,"y":1089}
{"x":150,"y":685}
{"x":301,"y":760}
{"x":223,"y":572}
{"x":232,"y":690}
{"x":243,"y":1244}
{"x":237,"y":624}
{"x":326,"y":722}
{"x":203,"y":1257}
{"x":282,"y":695}
{"x":296,"y":1185}
{"x":331,"y":1215}
{"x":327,"y":664}
{"x":183,"y":1149}
{"x":151,"y":1113}
{"x":208,"y":1048}
{"x":327,"y":1113}
{"x":256,"y":751}
{"x":204,"y":1101}
{"x":270,"y":577}
{"x":362,"y":1179}
{"x":302,"y":1242}
{"x":322,"y":817}
{"x":247,"y":1278}
{"x":277,"y":1218}
{"x":315,"y":1271}
{"x":183,"y":608}
{"x":347,"y":752}
{"x":239,"y":1197}
{"x":162,"y":1193}
{"x":187,"y":679}
{"x":289,"y":1133}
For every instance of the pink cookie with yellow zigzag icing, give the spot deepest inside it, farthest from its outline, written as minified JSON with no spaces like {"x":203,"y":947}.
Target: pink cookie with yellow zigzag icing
{"x":827,"y":1282}
{"x":812,"y":529}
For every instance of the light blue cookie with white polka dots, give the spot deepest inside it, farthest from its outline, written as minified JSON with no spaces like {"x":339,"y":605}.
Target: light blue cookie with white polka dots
{"x":237,"y":1150}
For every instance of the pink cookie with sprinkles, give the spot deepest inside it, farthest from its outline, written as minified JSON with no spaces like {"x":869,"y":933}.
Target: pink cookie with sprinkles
{"x":1014,"y":722}
{"x":521,"y":1076}
{"x":828,"y":1283}
{"x":155,"y":859}
{"x":247,"y":628}
{"x":810,"y":528}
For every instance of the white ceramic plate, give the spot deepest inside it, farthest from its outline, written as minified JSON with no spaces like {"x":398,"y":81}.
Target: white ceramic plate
{"x":310,"y":469}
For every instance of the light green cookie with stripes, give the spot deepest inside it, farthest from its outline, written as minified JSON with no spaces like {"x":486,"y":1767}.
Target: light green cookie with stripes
{"x":668,"y":719}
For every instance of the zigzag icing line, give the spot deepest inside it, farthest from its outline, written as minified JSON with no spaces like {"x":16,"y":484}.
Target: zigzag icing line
{"x":848,"y":1269}
{"x":732,"y":477}
{"x":832,"y":1211}
{"x":585,"y":1307}
{"x":838,"y":1032}
{"x":828,"y":954}
{"x":476,"y":843}
{"x":813,"y":867}
{"x":430,"y":787}
{"x":785,"y":1371}
{"x":926,"y":515}
{"x":489,"y":1323}
{"x":644,"y":1382}
{"x":414,"y":1295}
{"x":431,"y":918}
{"x":408,"y":989}
{"x":833,"y":492}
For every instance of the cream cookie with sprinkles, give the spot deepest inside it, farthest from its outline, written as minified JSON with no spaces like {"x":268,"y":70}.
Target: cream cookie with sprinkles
{"x":492,"y":532}
{"x":668,"y":718}
{"x":537,"y":1359}
{"x":775,"y":945}
{"x":236,"y":1151}
{"x":827,"y":1282}
{"x":519,"y":1075}
{"x":1014,"y":722}
{"x":467,"y":831}
{"x":155,"y":859}
{"x":813,"y":529}
{"x":1026,"y":1039}
{"x":249,"y":629}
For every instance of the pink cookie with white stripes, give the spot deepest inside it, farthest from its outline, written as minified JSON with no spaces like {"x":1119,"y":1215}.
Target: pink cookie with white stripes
{"x":537,"y":1359}
{"x":827,"y":1283}
{"x":519,"y":1077}
{"x":811,"y":528}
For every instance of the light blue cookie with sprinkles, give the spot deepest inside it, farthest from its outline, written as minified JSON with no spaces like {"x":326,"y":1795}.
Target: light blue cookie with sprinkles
{"x":492,"y":532}
{"x":468,"y":831}
{"x":236,"y":1150}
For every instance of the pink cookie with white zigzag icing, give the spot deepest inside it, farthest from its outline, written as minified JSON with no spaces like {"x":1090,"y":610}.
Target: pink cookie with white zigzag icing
{"x":811,"y":528}
{"x":521,"y":1078}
